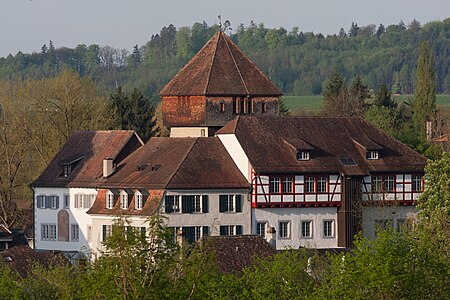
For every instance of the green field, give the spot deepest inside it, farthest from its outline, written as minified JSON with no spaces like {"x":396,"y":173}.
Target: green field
{"x":311,"y":104}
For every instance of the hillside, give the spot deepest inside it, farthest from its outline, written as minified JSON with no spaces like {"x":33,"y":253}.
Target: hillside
{"x":298,"y":62}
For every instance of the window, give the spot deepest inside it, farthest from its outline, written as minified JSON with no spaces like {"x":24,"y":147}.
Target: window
{"x":372,"y":154}
{"x":231,"y":230}
{"x":261,"y":229}
{"x":83,"y":201}
{"x":138,"y":201}
{"x":202,"y":132}
{"x":123,"y":200}
{"x":274,"y":185}
{"x":417,"y":185}
{"x":74,"y":232}
{"x":230,"y":203}
{"x":302,"y":155}
{"x":309,"y":184}
{"x":189,"y":233}
{"x":89,"y":233}
{"x":287,"y":185}
{"x":328,"y":228}
{"x":321,"y":184}
{"x":383,"y":224}
{"x":66,"y":201}
{"x":189,"y":204}
{"x":264,"y":107}
{"x":48,"y":232}
{"x":109,"y":200}
{"x":222,"y":107}
{"x":107,"y":231}
{"x":67,"y":169}
{"x":284,"y":230}
{"x":401,"y":225}
{"x":389,"y":183}
{"x":306,"y":229}
{"x":377,"y":183}
{"x":51,"y":202}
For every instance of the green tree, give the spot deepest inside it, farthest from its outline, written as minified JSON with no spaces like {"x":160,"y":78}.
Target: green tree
{"x":424,"y":105}
{"x":334,"y":96}
{"x":134,"y":112}
{"x":383,"y":97}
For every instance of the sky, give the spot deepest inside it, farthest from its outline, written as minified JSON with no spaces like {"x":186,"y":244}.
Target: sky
{"x":26,"y":25}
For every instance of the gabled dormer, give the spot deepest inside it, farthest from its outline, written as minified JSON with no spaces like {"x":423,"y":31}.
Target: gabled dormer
{"x":301,"y":148}
{"x":371,"y":149}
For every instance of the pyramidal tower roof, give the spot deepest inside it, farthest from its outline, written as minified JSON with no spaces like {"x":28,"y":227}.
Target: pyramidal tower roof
{"x":220,"y":68}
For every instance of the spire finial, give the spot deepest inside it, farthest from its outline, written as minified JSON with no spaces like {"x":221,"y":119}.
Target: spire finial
{"x":220,"y":22}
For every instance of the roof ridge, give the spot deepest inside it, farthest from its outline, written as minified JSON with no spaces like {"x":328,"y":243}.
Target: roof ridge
{"x":181,"y":162}
{"x":257,"y":68}
{"x":212,"y":63}
{"x":237,"y":67}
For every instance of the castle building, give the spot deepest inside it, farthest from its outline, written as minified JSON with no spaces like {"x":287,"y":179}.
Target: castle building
{"x":232,"y":166}
{"x":219,"y":83}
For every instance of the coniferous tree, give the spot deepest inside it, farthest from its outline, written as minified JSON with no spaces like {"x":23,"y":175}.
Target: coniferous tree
{"x":424,"y":105}
{"x":354,"y":29}
{"x":383,"y":97}
{"x":334,"y":96}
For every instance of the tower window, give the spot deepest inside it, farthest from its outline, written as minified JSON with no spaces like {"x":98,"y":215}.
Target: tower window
{"x":263,"y":107}
{"x":222,"y":107}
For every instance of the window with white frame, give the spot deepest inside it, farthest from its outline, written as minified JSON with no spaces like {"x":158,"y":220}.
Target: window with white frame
{"x":109,"y":200}
{"x":123,"y":200}
{"x":287,"y":185}
{"x":302,"y":155}
{"x":377,"y":184}
{"x":74,"y":232}
{"x":230,"y":229}
{"x":321,"y":184}
{"x":274,"y":185}
{"x":40,"y":199}
{"x":45,"y":201}
{"x":83,"y":201}
{"x":389,"y":183}
{"x":138,"y":201}
{"x":261,"y":229}
{"x":328,"y":228}
{"x":372,"y":154}
{"x":306,"y":229}
{"x":66,"y":201}
{"x":172,"y":204}
{"x":106,"y":232}
{"x":417,"y":183}
{"x":284,"y":230}
{"x":309,"y":185}
{"x":48,"y":232}
{"x":230,"y":203}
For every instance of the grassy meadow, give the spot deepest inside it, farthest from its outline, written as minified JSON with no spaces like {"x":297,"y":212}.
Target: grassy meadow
{"x":309,"y":105}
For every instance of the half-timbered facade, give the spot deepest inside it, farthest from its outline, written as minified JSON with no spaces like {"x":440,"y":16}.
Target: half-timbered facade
{"x":315,"y":181}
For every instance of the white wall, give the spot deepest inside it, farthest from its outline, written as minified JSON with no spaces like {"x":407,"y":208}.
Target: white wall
{"x":188,"y":131}
{"x":213,"y":218}
{"x":49,"y":216}
{"x":295,"y":216}
{"x":391,"y":213}
{"x":232,"y":145}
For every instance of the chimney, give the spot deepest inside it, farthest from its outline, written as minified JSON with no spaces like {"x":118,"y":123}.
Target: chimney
{"x":429,"y":130}
{"x":108,"y":167}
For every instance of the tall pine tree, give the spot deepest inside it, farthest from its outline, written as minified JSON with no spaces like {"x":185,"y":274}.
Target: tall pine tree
{"x":424,"y":105}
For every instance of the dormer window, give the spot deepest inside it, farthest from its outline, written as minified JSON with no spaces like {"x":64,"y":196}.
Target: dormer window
{"x":123,"y":200}
{"x":68,"y":165}
{"x":67,"y":169}
{"x":109,"y":200}
{"x":302,"y":155}
{"x":222,"y":107}
{"x":138,"y":201}
{"x":372,"y":154}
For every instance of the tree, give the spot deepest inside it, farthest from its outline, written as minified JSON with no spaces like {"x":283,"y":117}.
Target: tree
{"x":424,"y":105}
{"x":334,"y":95}
{"x":354,"y":30}
{"x":380,"y":30}
{"x":357,"y":95}
{"x":383,"y":97}
{"x":136,"y":56}
{"x":134,"y":112}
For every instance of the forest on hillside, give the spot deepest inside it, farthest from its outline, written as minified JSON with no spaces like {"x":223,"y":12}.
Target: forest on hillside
{"x":298,"y":62}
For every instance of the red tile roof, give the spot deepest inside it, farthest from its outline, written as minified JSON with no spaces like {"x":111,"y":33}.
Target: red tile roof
{"x":234,"y":253}
{"x":267,"y":143}
{"x":178,"y":163}
{"x":90,"y":148}
{"x":220,"y":68}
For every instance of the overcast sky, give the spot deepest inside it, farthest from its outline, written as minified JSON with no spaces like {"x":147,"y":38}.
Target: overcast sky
{"x":25,"y":25}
